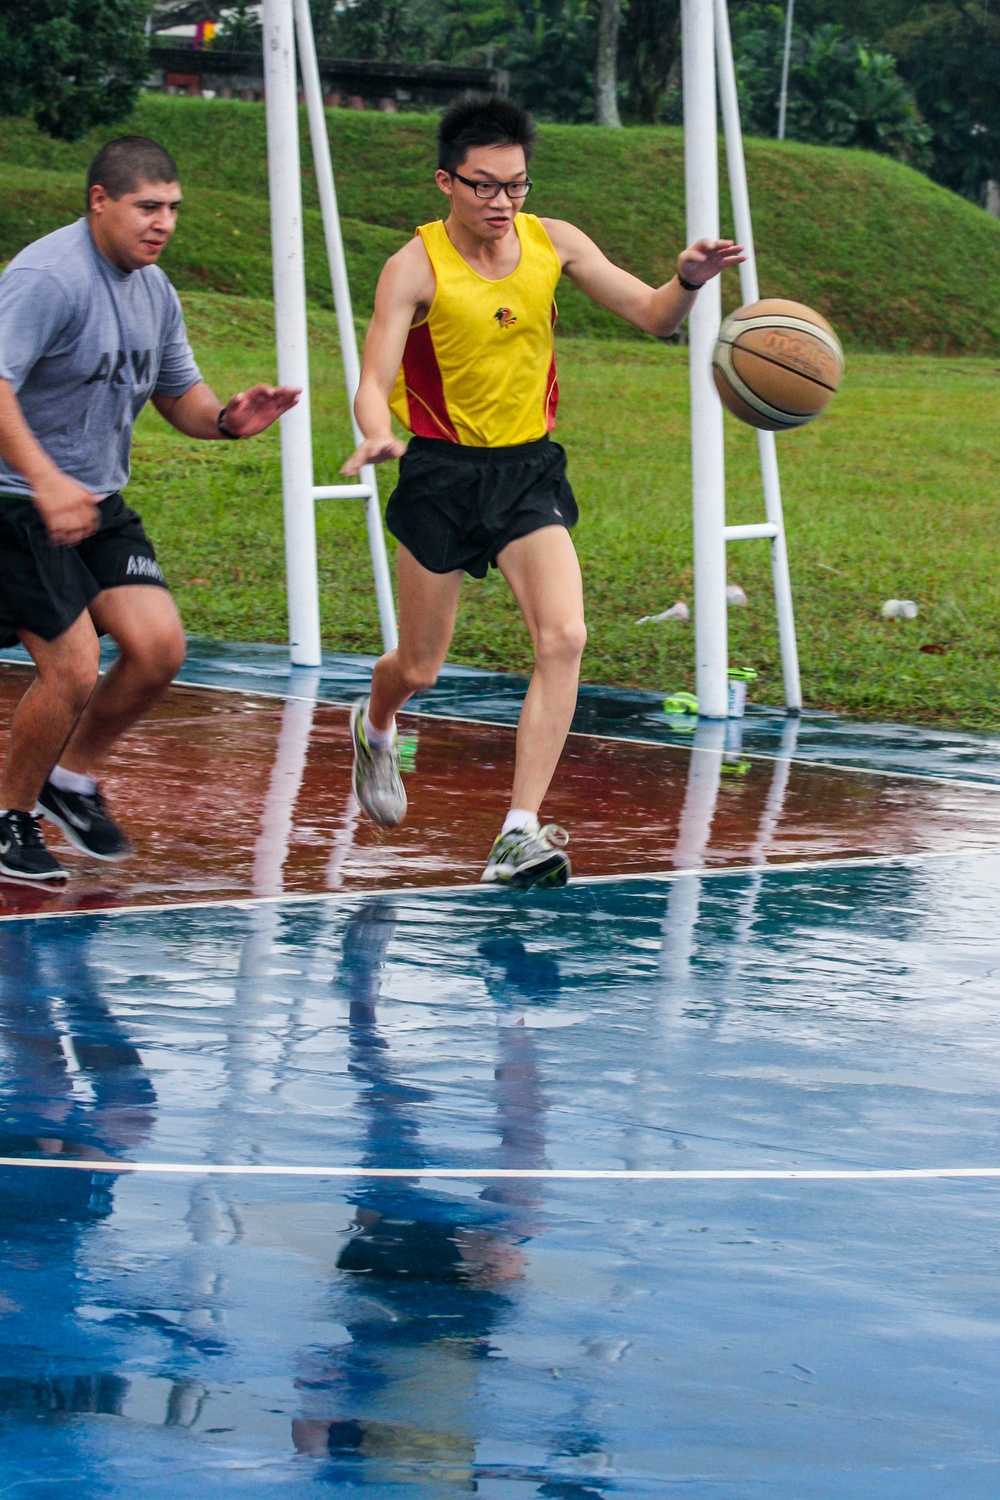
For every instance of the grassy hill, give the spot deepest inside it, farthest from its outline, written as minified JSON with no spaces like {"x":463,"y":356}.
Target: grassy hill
{"x":894,"y":261}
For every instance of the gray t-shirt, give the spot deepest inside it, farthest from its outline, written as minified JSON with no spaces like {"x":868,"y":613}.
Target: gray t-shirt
{"x":84,"y":346}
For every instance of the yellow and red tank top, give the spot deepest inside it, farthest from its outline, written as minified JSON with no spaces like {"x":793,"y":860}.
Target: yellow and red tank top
{"x":480,"y":370}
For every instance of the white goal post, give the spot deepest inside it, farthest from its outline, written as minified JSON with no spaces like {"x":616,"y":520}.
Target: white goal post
{"x":706,"y":47}
{"x":282,"y":20}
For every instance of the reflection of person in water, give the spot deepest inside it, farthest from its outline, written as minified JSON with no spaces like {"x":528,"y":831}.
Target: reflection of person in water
{"x":427,"y":1273}
{"x":70,"y":1085}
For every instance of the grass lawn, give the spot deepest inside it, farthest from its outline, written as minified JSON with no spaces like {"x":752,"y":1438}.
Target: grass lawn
{"x":893,"y":260}
{"x":893,"y":493}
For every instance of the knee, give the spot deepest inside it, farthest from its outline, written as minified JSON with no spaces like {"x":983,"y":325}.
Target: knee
{"x":73,"y":676}
{"x":159,"y":656}
{"x":78,"y":679}
{"x":417,"y":676}
{"x":561,"y":643}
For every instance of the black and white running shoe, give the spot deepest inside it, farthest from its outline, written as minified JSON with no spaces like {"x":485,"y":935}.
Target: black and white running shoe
{"x":527,"y":857}
{"x":23,"y":855}
{"x":85,"y":820}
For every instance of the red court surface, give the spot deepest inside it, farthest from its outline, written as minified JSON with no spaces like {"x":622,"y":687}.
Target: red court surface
{"x":230,"y":796}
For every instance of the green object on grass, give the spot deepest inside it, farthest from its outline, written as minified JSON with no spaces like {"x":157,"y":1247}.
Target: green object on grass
{"x":742,"y":674}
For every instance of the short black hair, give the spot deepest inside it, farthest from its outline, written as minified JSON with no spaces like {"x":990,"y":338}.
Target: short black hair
{"x":482,"y":120}
{"x":123,"y":163}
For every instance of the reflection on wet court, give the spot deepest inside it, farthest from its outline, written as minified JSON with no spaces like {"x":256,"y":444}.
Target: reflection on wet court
{"x":505,"y":1334}
{"x":229,"y":795}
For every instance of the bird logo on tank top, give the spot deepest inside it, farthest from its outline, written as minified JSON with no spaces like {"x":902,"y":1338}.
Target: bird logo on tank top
{"x":505,"y":317}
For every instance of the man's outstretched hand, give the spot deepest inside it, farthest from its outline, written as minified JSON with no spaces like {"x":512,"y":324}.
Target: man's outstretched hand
{"x":706,"y":258}
{"x":254,"y":410}
{"x":376,"y":450}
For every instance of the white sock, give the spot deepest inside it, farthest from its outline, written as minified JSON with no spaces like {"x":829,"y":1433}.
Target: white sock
{"x":378,"y":739}
{"x":520,"y":821}
{"x":72,"y":781}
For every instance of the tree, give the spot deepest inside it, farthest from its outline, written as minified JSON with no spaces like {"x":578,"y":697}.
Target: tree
{"x":72,"y":64}
{"x":550,"y":56}
{"x":606,"y":71}
{"x":385,"y":30}
{"x":240,"y":30}
{"x":650,"y":57}
{"x":840,"y":92}
{"x":950,"y":56}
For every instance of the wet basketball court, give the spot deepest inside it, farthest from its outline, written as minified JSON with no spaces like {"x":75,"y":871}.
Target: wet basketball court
{"x":325,"y":1168}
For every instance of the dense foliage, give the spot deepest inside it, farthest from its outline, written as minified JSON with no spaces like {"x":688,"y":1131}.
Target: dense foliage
{"x":71,"y":64}
{"x":915,"y":79}
{"x":950,"y":55}
{"x":840,"y":92}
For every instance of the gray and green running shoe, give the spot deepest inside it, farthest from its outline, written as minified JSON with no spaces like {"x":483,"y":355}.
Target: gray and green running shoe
{"x":378,"y":785}
{"x":524,"y":858}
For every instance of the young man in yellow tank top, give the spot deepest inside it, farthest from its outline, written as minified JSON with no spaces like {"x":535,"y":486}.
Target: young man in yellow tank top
{"x":460,"y":348}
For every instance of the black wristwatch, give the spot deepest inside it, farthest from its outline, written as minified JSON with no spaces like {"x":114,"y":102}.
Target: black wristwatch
{"x":220,"y":423}
{"x":689,"y":286}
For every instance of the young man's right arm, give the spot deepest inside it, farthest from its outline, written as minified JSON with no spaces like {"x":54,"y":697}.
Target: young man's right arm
{"x":67,"y":507}
{"x":405,"y":292}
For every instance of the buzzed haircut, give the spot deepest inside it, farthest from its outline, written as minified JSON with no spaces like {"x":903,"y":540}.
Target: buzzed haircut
{"x":123,"y":163}
{"x":482,"y":120}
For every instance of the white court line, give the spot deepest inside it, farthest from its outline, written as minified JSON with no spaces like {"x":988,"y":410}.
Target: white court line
{"x":401,"y":892}
{"x":535,"y":1174}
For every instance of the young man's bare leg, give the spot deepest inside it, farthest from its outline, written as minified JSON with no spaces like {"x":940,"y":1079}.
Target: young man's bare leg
{"x":428,"y":603}
{"x":143,"y":622}
{"x":544,"y":575}
{"x":44,"y":719}
{"x":427,"y":606}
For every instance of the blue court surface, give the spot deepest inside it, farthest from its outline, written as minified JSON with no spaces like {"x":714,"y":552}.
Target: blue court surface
{"x":686,"y":1183}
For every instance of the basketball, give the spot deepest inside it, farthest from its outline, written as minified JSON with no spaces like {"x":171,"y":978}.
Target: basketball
{"x":776,"y":364}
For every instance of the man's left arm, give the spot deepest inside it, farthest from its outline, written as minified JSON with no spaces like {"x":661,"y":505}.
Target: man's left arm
{"x":198,"y":413}
{"x":656,"y":310}
{"x":187,"y":403}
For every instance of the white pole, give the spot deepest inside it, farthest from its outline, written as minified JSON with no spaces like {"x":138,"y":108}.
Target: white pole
{"x":342,"y":302}
{"x":780,"y":574}
{"x":707,"y":460}
{"x":290,"y":329}
{"x":783,"y":102}
{"x":735,"y":160}
{"x":750,"y":292}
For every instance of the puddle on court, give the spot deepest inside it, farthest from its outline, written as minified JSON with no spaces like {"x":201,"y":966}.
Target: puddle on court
{"x":227,"y":796}
{"x":182,"y":1336}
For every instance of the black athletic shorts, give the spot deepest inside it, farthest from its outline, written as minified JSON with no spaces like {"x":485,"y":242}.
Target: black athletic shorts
{"x":44,"y":588}
{"x":458,"y":507}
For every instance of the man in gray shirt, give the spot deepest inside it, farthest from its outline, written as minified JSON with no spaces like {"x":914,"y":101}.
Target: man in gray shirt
{"x":90,"y":330}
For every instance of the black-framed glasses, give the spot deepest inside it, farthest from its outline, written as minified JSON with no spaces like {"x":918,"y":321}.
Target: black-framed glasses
{"x":494,"y":189}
